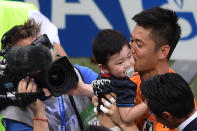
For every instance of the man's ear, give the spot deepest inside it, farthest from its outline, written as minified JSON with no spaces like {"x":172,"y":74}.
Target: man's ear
{"x":103,"y":68}
{"x":164,"y":51}
{"x":166,"y":115}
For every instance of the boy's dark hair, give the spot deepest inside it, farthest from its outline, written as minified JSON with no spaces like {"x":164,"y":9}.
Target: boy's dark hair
{"x":163,"y":24}
{"x":107,"y":43}
{"x":96,"y":128}
{"x":30,"y":28}
{"x":168,"y":92}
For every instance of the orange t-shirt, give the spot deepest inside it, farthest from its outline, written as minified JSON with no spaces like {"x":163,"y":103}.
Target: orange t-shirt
{"x":147,"y":122}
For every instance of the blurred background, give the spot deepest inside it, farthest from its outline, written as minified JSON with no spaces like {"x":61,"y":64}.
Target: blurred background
{"x":79,"y":21}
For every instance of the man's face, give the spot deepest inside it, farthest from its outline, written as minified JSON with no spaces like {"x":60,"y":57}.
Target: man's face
{"x":119,"y":63}
{"x":143,"y":49}
{"x":27,"y":41}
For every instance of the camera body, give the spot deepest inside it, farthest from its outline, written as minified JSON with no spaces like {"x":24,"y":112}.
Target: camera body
{"x":35,"y":61}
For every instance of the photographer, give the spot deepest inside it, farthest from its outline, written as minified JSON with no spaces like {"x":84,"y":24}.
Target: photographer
{"x":69,"y":117}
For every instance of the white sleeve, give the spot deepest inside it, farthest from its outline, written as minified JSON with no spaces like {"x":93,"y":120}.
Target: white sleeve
{"x":47,"y":27}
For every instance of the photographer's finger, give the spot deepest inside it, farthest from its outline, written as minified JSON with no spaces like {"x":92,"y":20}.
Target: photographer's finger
{"x":22,"y":85}
{"x":46,"y":92}
{"x":34,"y":88}
{"x":30,"y":86}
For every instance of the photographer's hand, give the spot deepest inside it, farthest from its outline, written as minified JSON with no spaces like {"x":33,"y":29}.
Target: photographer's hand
{"x":38,"y":108}
{"x":46,"y":92}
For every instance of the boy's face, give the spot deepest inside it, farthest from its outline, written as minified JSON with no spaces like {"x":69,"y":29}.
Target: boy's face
{"x":119,"y":63}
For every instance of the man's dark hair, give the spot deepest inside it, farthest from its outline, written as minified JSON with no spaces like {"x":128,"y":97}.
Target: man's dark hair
{"x":168,"y":92}
{"x":107,"y":43}
{"x":163,"y":24}
{"x":29,"y":29}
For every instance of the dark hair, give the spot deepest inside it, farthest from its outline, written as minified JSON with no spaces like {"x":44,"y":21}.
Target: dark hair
{"x":11,"y":37}
{"x":107,"y":43}
{"x":168,"y":92}
{"x":163,"y":24}
{"x":96,"y":128}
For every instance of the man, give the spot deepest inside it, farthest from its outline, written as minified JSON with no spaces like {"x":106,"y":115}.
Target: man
{"x":153,"y":41}
{"x":24,"y":35}
{"x":171,"y":101}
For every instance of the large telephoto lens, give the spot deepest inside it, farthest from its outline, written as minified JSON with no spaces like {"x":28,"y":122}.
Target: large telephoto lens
{"x":57,"y":75}
{"x":61,"y":77}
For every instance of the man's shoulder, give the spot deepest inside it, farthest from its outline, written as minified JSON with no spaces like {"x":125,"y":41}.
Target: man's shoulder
{"x":136,"y":77}
{"x":191,"y":126}
{"x":171,"y":70}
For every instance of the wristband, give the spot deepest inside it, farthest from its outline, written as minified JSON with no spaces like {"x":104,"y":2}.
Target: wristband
{"x":41,"y":119}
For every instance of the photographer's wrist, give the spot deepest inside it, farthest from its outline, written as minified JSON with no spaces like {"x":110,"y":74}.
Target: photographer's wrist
{"x":38,"y":108}
{"x":40,"y":114}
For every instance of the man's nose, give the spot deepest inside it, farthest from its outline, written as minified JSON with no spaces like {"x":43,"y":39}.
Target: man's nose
{"x":132,"y":48}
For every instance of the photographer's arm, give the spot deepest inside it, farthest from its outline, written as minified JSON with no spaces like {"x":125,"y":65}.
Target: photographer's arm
{"x":38,"y":108}
{"x":82,"y":89}
{"x":59,"y":49}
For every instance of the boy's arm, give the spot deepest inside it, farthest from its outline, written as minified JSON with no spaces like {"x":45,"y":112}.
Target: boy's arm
{"x":130,"y":114}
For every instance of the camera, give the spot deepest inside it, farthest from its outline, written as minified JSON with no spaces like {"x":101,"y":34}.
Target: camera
{"x":35,"y":61}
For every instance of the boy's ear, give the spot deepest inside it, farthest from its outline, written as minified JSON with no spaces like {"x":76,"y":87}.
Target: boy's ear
{"x":103,"y":68}
{"x":164,"y":51}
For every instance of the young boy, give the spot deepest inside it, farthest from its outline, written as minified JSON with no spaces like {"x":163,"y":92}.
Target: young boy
{"x":113,"y":54}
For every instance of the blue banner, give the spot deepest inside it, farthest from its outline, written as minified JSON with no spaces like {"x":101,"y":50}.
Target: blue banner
{"x":79,"y":21}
